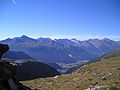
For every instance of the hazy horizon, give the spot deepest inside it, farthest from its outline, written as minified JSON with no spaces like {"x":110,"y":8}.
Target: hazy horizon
{"x":77,"y":37}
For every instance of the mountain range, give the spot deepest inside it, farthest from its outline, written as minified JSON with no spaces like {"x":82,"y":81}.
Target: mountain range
{"x":61,"y":50}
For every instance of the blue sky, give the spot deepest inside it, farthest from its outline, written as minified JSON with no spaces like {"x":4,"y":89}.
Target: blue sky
{"x":81,"y":19}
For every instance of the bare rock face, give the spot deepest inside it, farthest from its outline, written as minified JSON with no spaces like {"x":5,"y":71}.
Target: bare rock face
{"x":8,"y":74}
{"x":3,"y":48}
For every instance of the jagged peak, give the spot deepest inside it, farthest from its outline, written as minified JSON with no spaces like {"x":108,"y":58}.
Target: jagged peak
{"x":73,"y":39}
{"x":106,"y":39}
{"x":61,"y":39}
{"x":7,"y":39}
{"x":41,"y":38}
{"x":92,"y":39}
{"x":23,"y":37}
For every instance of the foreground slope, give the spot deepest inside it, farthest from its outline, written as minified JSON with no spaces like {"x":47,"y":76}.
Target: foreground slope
{"x":103,"y":75}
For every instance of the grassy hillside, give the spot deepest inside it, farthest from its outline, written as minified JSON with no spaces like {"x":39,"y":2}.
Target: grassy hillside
{"x":115,"y":53}
{"x":103,"y":75}
{"x":112,"y":54}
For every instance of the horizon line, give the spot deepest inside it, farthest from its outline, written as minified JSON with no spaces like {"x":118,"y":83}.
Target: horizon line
{"x":77,"y":37}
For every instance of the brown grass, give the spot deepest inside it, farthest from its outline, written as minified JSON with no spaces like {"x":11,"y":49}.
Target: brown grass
{"x":104,"y":73}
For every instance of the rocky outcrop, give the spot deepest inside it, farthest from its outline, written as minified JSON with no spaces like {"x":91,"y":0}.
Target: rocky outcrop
{"x":8,"y":74}
{"x":3,"y":48}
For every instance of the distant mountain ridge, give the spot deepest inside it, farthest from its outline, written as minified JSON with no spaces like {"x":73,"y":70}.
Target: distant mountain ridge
{"x":61,"y":50}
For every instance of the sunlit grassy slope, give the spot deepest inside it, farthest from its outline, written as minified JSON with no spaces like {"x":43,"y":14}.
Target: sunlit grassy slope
{"x":102,"y":75}
{"x":115,"y":53}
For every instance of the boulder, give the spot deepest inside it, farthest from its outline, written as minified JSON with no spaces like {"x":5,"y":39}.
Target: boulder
{"x":8,"y":71}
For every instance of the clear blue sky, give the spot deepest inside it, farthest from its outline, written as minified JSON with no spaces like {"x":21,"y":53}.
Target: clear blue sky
{"x":81,"y":19}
